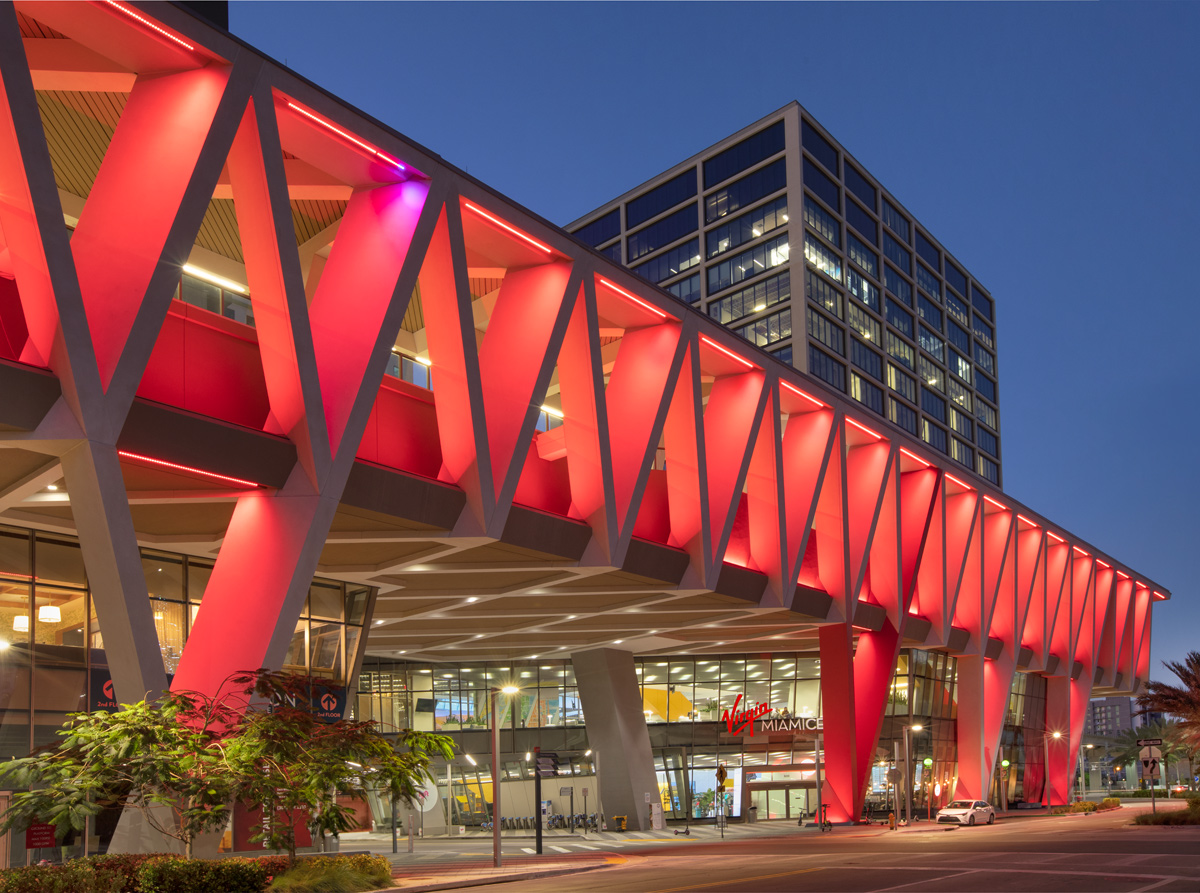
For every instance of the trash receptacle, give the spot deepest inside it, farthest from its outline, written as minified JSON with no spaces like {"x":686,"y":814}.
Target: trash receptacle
{"x":620,"y":822}
{"x":752,"y":815}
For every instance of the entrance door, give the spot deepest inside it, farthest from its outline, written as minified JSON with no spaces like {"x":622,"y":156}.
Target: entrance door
{"x":672,"y":782}
{"x":797,"y":803}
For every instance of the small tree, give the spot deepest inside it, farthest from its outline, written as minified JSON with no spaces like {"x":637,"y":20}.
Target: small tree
{"x":164,"y":759}
{"x":286,"y":759}
{"x":257,"y":742}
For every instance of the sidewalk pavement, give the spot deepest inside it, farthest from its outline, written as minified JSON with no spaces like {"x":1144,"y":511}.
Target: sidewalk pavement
{"x":449,"y":876}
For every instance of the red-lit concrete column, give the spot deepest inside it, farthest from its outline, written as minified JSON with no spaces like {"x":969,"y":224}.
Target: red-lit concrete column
{"x":274,"y":541}
{"x":81,"y":298}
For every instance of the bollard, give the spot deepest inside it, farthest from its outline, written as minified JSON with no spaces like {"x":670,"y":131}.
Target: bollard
{"x":410,"y":832}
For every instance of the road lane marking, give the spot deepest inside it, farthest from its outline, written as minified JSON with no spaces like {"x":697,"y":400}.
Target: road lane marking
{"x":1165,"y":880}
{"x":742,"y":880}
{"x":928,"y":880}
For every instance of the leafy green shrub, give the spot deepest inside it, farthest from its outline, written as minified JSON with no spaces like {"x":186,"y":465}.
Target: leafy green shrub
{"x":126,"y":865}
{"x":174,"y":875}
{"x":1110,"y":803}
{"x":1081,"y":806}
{"x":377,"y":868}
{"x":1190,"y":815}
{"x":76,"y":876}
{"x":1159,"y":794}
{"x":274,"y":865}
{"x":335,"y":874}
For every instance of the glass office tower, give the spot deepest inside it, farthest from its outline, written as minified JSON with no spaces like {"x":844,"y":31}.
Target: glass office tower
{"x":887,"y":316}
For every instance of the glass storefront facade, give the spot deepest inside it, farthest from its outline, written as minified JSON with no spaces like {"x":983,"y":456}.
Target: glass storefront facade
{"x":773,"y":764}
{"x":52,"y":657}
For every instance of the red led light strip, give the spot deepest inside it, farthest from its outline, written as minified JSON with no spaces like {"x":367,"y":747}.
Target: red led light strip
{"x":1104,"y":564}
{"x":1158,"y":594}
{"x":951,"y":477}
{"x":500,"y":223}
{"x":987,"y":498}
{"x":799,"y":393}
{"x":1123,"y":575}
{"x":149,"y":24}
{"x":864,"y":429}
{"x":1081,"y":552}
{"x":175,"y":467}
{"x":727,"y":352}
{"x":915,"y":458}
{"x":1055,"y":537}
{"x":1027,"y":521}
{"x":637,"y":301}
{"x":366,"y":147}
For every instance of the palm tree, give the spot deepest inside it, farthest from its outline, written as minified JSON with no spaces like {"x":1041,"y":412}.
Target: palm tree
{"x":1124,"y":748}
{"x":1180,"y":701}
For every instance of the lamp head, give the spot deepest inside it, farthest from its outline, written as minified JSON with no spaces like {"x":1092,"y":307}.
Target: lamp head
{"x":509,"y":690}
{"x":1056,"y":735}
{"x":916,"y":727}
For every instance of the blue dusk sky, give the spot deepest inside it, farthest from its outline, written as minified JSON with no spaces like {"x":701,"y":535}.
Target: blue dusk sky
{"x":1052,"y":148}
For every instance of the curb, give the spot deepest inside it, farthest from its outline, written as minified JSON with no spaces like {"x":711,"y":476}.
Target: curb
{"x":487,"y":880}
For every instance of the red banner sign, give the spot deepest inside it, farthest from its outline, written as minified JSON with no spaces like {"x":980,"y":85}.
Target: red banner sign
{"x":249,"y":822}
{"x":40,"y":836}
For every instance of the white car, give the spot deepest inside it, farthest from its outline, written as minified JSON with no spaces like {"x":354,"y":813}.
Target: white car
{"x":966,"y":812}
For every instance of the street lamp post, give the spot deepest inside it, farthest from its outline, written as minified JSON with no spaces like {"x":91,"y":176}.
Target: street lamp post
{"x":495,"y":697}
{"x":908,"y":805}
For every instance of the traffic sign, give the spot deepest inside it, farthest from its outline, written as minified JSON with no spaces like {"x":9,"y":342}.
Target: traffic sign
{"x":565,"y":792}
{"x":1150,"y":757}
{"x":721,"y":774}
{"x":1149,"y":742}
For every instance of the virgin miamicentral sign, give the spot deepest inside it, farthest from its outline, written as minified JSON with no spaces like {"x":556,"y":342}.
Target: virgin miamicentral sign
{"x":739,"y":721}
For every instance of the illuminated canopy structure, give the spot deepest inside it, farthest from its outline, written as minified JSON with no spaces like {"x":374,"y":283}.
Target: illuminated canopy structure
{"x":596,"y":466}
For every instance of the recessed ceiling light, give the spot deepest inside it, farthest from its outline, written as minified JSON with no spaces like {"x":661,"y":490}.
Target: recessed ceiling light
{"x":52,"y":487}
{"x":473,"y":599}
{"x":479,"y":635}
{"x":618,"y":641}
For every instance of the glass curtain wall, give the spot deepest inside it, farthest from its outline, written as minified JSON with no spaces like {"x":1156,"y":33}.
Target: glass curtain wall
{"x":1022,"y":743}
{"x":923,"y":693}
{"x":446,"y":698}
{"x":52,"y":657}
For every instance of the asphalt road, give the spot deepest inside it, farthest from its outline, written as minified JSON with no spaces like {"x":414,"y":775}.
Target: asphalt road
{"x":1098,"y":854}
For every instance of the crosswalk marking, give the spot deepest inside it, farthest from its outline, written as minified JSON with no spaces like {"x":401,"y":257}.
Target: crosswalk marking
{"x":560,"y":849}
{"x":529,"y":849}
